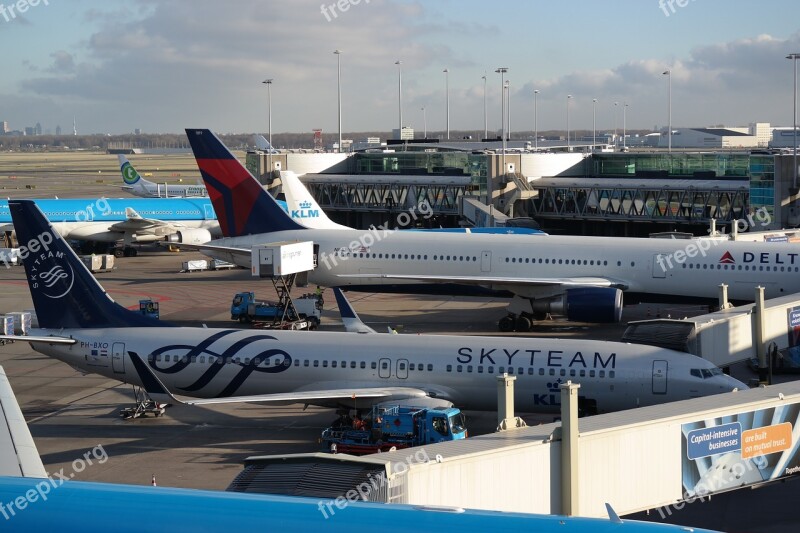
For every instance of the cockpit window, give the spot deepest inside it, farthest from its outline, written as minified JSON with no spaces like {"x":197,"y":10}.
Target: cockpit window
{"x":705,"y":373}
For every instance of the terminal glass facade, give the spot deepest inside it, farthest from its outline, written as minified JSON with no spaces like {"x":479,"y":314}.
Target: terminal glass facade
{"x":762,"y":184}
{"x":730,"y":166}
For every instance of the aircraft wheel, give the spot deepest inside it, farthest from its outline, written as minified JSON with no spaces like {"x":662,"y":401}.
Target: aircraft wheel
{"x":523,"y":323}
{"x":507,"y":324}
{"x":119,"y":252}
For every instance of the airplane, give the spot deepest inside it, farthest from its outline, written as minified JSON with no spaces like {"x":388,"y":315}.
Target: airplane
{"x":32,"y":500}
{"x":82,"y":326}
{"x":581,"y":278}
{"x":302,"y":207}
{"x":130,"y":220}
{"x":138,"y":186}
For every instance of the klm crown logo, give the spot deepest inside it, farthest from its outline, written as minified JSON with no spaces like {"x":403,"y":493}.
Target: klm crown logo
{"x":305,"y":211}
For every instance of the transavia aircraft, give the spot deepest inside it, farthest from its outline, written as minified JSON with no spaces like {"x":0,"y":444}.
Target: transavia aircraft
{"x":82,"y":326}
{"x":582,"y":278}
{"x":138,"y":186}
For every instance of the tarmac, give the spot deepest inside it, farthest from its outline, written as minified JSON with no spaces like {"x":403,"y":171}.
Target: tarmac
{"x":71,"y":414}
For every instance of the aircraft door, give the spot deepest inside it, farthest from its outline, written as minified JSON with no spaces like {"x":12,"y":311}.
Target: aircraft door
{"x":384,"y":368}
{"x":209,"y":212}
{"x":402,"y":368}
{"x":660,"y":368}
{"x":660,"y":265}
{"x":118,"y":357}
{"x":486,"y":261}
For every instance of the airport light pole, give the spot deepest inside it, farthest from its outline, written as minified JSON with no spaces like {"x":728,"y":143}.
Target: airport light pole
{"x":535,"y":120}
{"x":668,"y":74}
{"x":508,"y":109}
{"x":400,"y":94}
{"x":268,"y":82}
{"x":624,"y":126}
{"x":569,"y":147}
{"x":447,"y":99}
{"x":424,"y":123}
{"x":502,"y":71}
{"x":485,"y":115}
{"x":794,"y":58}
{"x":339,"y":91}
{"x":616,"y":104}
{"x":594,"y":123}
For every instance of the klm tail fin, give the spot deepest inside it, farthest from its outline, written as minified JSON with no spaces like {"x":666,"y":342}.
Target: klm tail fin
{"x":350,"y":318}
{"x":302,"y":206}
{"x":243,"y":207}
{"x":64,"y":292}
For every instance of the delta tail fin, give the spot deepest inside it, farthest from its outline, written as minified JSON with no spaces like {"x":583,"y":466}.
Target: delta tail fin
{"x":64,"y":292}
{"x":243,"y":207}
{"x":302,"y":206}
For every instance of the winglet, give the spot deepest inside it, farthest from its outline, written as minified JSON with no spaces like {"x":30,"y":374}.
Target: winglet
{"x":151,"y":384}
{"x":352,"y":323}
{"x":612,"y":514}
{"x":19,"y":458}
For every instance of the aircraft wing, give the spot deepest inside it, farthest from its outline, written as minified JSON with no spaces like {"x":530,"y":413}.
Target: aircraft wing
{"x":136,"y":222}
{"x":352,"y":322}
{"x":225,"y":253}
{"x":158,"y":392}
{"x":18,"y":454}
{"x":31,"y":338}
{"x":498,"y":280}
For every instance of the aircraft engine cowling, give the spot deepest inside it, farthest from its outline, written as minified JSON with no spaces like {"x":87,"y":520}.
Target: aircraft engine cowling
{"x":189,"y":236}
{"x":587,"y":304}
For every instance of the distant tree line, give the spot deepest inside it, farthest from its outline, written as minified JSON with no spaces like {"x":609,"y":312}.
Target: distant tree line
{"x":242,"y":141}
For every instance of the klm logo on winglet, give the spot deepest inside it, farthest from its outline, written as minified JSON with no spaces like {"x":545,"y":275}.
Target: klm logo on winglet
{"x":305,"y":211}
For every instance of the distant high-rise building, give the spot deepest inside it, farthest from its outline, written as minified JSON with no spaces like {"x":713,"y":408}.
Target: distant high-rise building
{"x":4,"y":125}
{"x":74,"y":126}
{"x":58,"y":130}
{"x":37,"y":129}
{"x":137,"y":131}
{"x":29,"y":131}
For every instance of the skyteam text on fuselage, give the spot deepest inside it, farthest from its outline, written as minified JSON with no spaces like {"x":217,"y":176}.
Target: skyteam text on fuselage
{"x":83,"y":327}
{"x":582,"y":278}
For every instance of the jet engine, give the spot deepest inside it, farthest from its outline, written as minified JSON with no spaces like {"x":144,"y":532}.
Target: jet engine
{"x":189,"y":236}
{"x":587,"y":304}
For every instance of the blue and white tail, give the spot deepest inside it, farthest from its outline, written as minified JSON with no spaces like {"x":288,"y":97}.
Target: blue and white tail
{"x":302,"y":206}
{"x":242,"y":205}
{"x":65,"y":294}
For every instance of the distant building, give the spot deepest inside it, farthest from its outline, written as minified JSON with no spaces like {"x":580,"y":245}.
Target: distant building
{"x":710,"y":138}
{"x":4,"y":125}
{"x":137,"y":131}
{"x":783,"y":137}
{"x":29,"y":131}
{"x":37,"y":129}
{"x":762,"y":132}
{"x":58,"y":130}
{"x":404,"y":134}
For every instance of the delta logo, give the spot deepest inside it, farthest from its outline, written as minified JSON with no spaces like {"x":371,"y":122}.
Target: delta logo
{"x":727,"y":259}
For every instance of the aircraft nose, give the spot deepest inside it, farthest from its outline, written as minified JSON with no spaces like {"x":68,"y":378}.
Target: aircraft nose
{"x":731,"y":383}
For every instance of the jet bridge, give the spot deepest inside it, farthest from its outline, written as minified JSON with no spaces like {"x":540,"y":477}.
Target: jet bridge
{"x":729,"y":335}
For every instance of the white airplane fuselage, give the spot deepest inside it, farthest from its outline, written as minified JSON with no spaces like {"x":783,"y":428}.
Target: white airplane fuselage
{"x":691,"y":268}
{"x":208,"y":363}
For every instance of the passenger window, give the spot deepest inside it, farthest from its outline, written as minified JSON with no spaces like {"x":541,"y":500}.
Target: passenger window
{"x":469,"y":368}
{"x":490,"y":369}
{"x":316,"y":363}
{"x":458,"y":368}
{"x":611,"y":373}
{"x":480,"y":369}
{"x":411,"y":366}
{"x":602,"y":373}
{"x":352,"y":364}
{"x":572,"y":372}
{"x":541,"y":371}
{"x":583,"y":373}
{"x":305,"y":362}
{"x":563,"y":372}
{"x":552,"y":371}
{"x":449,"y":368}
{"x":374,"y":365}
{"x":430,"y":368}
{"x":364,"y":364}
{"x":591,"y":373}
{"x":402,"y":366}
{"x":333,"y":364}
{"x":325,"y":363}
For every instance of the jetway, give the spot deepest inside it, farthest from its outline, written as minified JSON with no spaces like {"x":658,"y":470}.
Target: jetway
{"x":658,"y":458}
{"x":726,"y":336}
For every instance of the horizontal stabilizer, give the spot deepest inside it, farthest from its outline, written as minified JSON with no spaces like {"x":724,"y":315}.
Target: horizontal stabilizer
{"x":42,"y":339}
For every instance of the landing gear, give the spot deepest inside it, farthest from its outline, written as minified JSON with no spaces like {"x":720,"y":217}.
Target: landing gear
{"x":127,"y":251}
{"x":512,"y":322}
{"x":143,"y":406}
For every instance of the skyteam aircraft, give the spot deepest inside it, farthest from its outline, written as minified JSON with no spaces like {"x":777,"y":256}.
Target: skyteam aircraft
{"x":581,"y":278}
{"x":138,"y":186}
{"x":263,"y":145}
{"x":30,"y":500}
{"x":82,"y":326}
{"x":303,"y":208}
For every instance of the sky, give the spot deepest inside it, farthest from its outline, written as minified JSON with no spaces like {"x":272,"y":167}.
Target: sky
{"x":163,"y":66}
